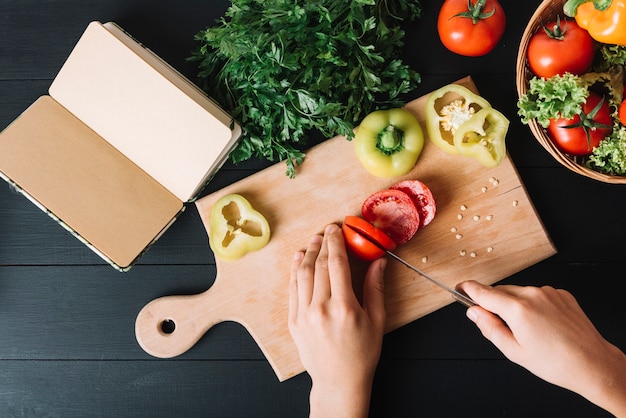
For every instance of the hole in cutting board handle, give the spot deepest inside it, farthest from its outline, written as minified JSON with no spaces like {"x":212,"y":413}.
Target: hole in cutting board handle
{"x":167,"y":326}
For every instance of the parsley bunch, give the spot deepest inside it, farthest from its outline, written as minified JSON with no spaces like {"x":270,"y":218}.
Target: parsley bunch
{"x":285,"y":68}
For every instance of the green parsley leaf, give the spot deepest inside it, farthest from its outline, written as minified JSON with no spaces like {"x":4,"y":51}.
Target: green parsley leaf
{"x":287,"y":68}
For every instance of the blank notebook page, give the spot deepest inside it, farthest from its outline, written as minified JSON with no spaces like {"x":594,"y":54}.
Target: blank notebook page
{"x":140,"y":112}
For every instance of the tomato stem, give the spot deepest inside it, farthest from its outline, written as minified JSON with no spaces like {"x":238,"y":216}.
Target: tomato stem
{"x":557,"y":31}
{"x":475,"y":11}
{"x":588,"y":123}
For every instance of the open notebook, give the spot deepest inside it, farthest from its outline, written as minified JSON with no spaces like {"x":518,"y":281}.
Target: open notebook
{"x":119,"y":145}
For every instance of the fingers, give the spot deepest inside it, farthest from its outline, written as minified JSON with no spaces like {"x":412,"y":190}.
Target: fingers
{"x":312,"y":271}
{"x":293,"y":288}
{"x":492,"y":299}
{"x":488,"y":315}
{"x":323,"y":271}
{"x":338,"y":264}
{"x":494,"y":329}
{"x":305,"y":271}
{"x":374,"y":292}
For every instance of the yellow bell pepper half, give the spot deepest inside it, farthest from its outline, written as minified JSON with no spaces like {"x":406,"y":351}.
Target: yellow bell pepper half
{"x":482,"y":137}
{"x":605,"y":20}
{"x":389,"y":142}
{"x":446,"y":109}
{"x":236,"y":228}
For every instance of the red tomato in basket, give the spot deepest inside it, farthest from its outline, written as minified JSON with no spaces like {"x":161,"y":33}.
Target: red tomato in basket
{"x":572,"y":138}
{"x":471,"y":27}
{"x":621,"y":113}
{"x":365,"y":240}
{"x":561,"y":46}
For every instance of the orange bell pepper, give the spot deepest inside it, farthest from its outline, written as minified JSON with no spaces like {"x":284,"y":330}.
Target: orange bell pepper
{"x":605,"y":20}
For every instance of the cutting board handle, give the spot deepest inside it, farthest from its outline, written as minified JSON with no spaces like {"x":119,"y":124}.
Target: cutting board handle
{"x":170,"y":325}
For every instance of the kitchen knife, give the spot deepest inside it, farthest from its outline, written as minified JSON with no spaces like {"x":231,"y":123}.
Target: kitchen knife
{"x":458,"y":296}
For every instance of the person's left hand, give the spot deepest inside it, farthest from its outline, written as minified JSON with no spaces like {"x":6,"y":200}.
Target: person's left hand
{"x":339,"y":340}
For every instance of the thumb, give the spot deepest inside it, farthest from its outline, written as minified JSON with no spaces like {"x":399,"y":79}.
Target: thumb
{"x":494,"y":329}
{"x":374,"y":292}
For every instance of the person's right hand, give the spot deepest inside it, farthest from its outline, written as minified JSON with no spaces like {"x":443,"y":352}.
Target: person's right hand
{"x":545,"y":331}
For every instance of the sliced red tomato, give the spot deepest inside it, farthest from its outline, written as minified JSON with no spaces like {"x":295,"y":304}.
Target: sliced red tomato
{"x":422,"y":198}
{"x":364,"y":240}
{"x":393,"y":212}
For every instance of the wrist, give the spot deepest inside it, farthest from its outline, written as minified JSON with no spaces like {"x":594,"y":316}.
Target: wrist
{"x":340,"y":399}
{"x":610,"y":393}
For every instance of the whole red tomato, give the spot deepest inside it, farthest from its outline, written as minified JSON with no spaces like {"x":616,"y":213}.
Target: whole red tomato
{"x":581,"y":134}
{"x":471,"y":27}
{"x":562,"y":46}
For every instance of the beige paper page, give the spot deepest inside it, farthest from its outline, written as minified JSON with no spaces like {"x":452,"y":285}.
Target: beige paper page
{"x":135,"y":108}
{"x":84,"y":181}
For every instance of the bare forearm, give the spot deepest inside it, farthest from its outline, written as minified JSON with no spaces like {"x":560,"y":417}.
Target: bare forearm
{"x":610,"y":392}
{"x":340,"y":402}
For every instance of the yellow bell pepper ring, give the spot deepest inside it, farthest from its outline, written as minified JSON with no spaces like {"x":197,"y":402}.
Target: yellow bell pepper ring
{"x":389,"y":142}
{"x":236,"y":228}
{"x":605,"y":20}
{"x":446,"y":109}
{"x":483,"y":137}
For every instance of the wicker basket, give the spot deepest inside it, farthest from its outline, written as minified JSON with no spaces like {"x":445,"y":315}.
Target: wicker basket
{"x":547,"y":11}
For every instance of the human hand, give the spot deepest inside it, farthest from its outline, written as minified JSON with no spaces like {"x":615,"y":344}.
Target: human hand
{"x":545,"y":331}
{"x":339,"y":341}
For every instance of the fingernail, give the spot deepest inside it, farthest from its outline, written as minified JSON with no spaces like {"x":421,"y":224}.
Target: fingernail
{"x":298,"y":255}
{"x":330,"y":228}
{"x":472,"y":314}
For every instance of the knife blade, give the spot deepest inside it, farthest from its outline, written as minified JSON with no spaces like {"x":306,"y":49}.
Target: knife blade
{"x":458,"y":296}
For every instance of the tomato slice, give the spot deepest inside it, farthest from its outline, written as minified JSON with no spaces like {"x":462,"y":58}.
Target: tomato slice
{"x":393,"y":212}
{"x":364,"y":240}
{"x":422,"y":198}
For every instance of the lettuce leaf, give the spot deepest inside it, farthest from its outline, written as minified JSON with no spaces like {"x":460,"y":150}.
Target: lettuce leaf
{"x":548,"y":98}
{"x":610,"y":156}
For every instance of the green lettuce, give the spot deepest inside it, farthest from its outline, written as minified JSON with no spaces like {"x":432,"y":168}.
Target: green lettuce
{"x":610,"y":156}
{"x":554,"y":97}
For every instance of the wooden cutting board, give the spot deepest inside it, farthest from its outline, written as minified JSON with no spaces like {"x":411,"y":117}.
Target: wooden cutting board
{"x":486,"y":229}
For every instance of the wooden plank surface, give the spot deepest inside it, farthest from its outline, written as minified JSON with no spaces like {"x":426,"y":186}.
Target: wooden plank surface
{"x":68,"y":347}
{"x":485,"y":213}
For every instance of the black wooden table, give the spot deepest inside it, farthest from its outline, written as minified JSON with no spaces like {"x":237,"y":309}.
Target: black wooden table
{"x":67,"y":343}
